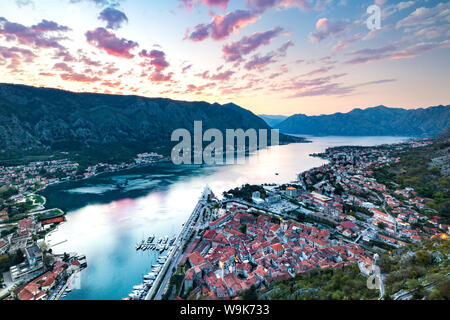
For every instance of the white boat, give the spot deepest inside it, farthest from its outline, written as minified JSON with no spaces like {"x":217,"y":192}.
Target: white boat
{"x":138,"y":287}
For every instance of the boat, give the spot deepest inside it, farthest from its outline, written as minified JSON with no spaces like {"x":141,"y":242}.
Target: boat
{"x":166,"y":247}
{"x":156,"y":265}
{"x":138,"y":287}
{"x":172,"y":240}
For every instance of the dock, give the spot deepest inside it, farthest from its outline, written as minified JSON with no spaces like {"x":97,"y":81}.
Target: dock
{"x":156,"y":291}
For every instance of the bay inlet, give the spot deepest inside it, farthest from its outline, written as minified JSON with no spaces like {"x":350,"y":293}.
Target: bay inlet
{"x":109,"y":214}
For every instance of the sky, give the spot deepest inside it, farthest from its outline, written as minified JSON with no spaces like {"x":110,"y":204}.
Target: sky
{"x":278,"y":57}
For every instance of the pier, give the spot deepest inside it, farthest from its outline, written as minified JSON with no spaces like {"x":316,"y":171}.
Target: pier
{"x":156,"y":291}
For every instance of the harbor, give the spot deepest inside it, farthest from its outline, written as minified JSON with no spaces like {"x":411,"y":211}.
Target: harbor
{"x":155,"y":281}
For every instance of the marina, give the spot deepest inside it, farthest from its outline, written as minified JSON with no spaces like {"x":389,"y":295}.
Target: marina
{"x":140,"y":291}
{"x":161,"y":245}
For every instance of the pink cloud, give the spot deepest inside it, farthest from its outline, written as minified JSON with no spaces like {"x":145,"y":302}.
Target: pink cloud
{"x":158,"y":76}
{"x":61,"y":66}
{"x":45,"y":34}
{"x":391,"y":52}
{"x":326,"y":27}
{"x":304,"y":5}
{"x":258,"y":62}
{"x":157,"y":58}
{"x":188,"y":4}
{"x":223,"y":26}
{"x":77,"y":77}
{"x":107,"y":41}
{"x":235,"y":50}
{"x":221,"y":76}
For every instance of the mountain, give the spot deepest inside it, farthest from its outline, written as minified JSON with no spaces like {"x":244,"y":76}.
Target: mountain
{"x":377,"y":121}
{"x":272,"y":120}
{"x":34,"y":120}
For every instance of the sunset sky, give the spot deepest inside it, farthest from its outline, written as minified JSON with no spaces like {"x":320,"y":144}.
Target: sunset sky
{"x":268,"y":56}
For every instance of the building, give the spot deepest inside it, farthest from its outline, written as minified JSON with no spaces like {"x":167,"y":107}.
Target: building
{"x":386,"y":219}
{"x":34,"y":255}
{"x":256,"y":198}
{"x":292,"y":192}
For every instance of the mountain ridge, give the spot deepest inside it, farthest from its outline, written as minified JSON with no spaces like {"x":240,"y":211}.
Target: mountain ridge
{"x":373,"y":121}
{"x":46,"y":119}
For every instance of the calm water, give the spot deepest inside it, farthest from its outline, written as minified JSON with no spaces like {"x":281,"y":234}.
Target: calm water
{"x":105,"y":222}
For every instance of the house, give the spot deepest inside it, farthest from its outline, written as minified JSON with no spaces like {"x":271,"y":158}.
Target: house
{"x":196,"y":259}
{"x":277,"y":248}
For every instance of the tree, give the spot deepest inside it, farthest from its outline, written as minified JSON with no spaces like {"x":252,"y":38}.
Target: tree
{"x":250,"y":294}
{"x":381,"y":225}
{"x":66,"y":257}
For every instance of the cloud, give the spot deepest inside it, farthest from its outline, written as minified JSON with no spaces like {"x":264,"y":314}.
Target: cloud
{"x":156,"y":58}
{"x":188,"y":4}
{"x":326,"y":28}
{"x":78,"y":77}
{"x":186,"y":68}
{"x":392,"y":52}
{"x":61,"y":66}
{"x":158,"y":76}
{"x":221,"y":76}
{"x":343,"y":44}
{"x":46,"y":34}
{"x":258,"y":62}
{"x":304,"y":5}
{"x":323,"y":69}
{"x":200,"y":33}
{"x":109,"y":42}
{"x":100,"y":3}
{"x":24,"y":3}
{"x":325,"y":86}
{"x":426,"y":16}
{"x":14,"y":57}
{"x":283,"y":49}
{"x":113,"y":17}
{"x":223,"y":26}
{"x":234,"y":51}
